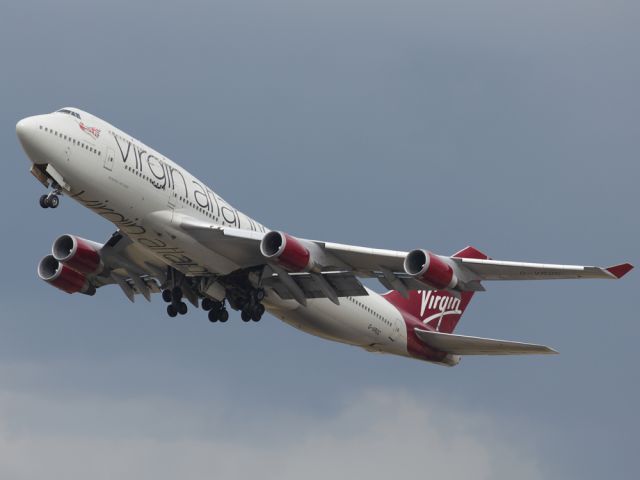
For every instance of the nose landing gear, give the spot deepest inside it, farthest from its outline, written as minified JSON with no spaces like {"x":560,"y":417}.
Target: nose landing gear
{"x":51,"y":199}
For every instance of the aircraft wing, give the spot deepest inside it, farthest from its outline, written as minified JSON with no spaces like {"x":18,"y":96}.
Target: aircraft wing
{"x":500,"y":270}
{"x":374,"y":261}
{"x":464,"y":345}
{"x":131,"y":268}
{"x":243,"y":248}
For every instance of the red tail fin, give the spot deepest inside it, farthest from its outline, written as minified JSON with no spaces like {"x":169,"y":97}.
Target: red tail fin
{"x":439,"y":309}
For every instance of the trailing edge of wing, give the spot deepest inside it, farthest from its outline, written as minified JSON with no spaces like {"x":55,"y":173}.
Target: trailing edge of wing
{"x":463,"y":345}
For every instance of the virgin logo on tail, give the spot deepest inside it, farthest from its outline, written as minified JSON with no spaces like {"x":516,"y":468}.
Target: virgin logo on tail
{"x":436,"y":305}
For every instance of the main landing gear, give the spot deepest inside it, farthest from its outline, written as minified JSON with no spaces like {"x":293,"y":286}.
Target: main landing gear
{"x":51,"y":200}
{"x":236,"y":293}
{"x":250,"y":305}
{"x":252,"y":312}
{"x":216,"y":309}
{"x":174,"y":298}
{"x":251,"y":308}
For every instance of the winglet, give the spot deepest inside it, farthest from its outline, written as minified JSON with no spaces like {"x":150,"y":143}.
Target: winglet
{"x":621,"y":270}
{"x":471,"y":252}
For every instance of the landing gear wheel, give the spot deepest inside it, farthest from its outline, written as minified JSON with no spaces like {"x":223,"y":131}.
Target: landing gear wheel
{"x":176,"y":293}
{"x":182,"y":308}
{"x":223,"y":315}
{"x":208,"y":304}
{"x":213,"y":316}
{"x":166,"y":295}
{"x":259,"y":295}
{"x":53,"y":201}
{"x":43,"y":201}
{"x":257,"y":312}
{"x":235,"y":304}
{"x":245,"y":315}
{"x":172,"y":311}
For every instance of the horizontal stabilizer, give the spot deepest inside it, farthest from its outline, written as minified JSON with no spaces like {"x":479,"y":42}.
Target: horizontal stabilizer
{"x":463,"y":345}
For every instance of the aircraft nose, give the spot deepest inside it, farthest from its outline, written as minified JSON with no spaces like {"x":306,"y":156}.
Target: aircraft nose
{"x":24,"y":128}
{"x":31,"y":139}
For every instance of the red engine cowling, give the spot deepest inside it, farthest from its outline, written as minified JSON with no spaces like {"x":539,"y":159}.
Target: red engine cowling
{"x":430,"y":268}
{"x":290,"y":252}
{"x":63,"y":277}
{"x":78,"y":253}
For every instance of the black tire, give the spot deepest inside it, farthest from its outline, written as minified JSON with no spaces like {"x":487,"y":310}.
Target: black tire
{"x":256,"y":312}
{"x":172,"y":311}
{"x":246,"y":316}
{"x":166,"y":295}
{"x":260,"y":295}
{"x":223,"y":315}
{"x":234,"y":304}
{"x":43,"y":201}
{"x":208,"y":304}
{"x":213,"y":316}
{"x":182,"y":308}
{"x":53,"y":201}
{"x":176,"y":294}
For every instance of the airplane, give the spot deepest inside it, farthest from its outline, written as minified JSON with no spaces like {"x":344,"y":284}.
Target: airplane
{"x":177,"y":237}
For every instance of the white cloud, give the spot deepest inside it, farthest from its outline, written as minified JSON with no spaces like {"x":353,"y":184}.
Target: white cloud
{"x":377,"y":434}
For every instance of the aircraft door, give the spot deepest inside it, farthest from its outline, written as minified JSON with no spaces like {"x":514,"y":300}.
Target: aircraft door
{"x":108,"y":159}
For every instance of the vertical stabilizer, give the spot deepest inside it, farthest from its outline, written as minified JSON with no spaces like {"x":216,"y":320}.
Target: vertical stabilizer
{"x":439,"y":309}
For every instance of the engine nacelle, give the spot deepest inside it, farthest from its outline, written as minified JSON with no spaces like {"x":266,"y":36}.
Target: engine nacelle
{"x":63,"y":277}
{"x":78,"y":253}
{"x":290,"y":252}
{"x":430,"y":268}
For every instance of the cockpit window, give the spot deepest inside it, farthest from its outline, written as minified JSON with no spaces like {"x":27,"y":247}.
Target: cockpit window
{"x":69,"y":112}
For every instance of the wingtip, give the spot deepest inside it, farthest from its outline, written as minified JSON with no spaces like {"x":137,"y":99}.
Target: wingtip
{"x":619,"y":271}
{"x":471,"y":252}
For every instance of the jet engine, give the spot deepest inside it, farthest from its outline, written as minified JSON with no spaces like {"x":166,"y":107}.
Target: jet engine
{"x":78,"y":253}
{"x":63,"y":277}
{"x":430,"y":268}
{"x":288,"y":251}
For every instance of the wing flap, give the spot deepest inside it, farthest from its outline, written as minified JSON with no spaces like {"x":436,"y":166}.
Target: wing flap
{"x":464,"y":345}
{"x":345,"y":284}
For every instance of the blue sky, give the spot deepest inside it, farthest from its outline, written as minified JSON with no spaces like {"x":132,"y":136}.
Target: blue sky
{"x":510,"y":126}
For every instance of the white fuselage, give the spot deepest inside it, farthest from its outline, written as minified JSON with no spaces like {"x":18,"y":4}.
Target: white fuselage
{"x":145,"y":195}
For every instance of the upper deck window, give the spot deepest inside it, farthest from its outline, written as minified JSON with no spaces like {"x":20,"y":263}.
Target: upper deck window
{"x":69,"y":112}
